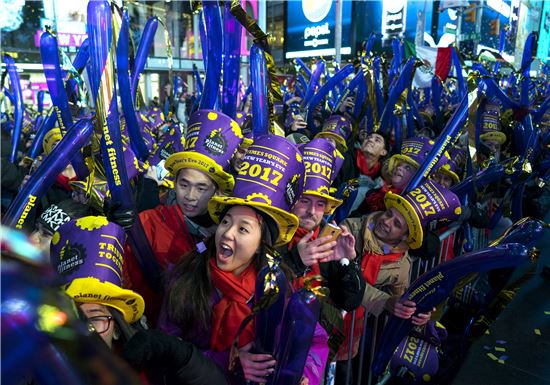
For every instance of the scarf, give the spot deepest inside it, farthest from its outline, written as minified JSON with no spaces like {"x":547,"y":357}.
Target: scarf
{"x":374,"y":255}
{"x":362,"y":165}
{"x":375,"y":199}
{"x":232,"y":309}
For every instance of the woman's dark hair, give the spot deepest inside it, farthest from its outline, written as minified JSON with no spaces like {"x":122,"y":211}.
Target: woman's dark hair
{"x":189,"y":293}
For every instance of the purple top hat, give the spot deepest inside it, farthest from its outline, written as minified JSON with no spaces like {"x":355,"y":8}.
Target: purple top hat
{"x":419,"y":357}
{"x":155,"y":119}
{"x":88,"y":253}
{"x":426,"y":207}
{"x":321,"y":166}
{"x":490,"y":123}
{"x":414,"y":151}
{"x":212,"y":140}
{"x":270,"y":179}
{"x":338,"y":128}
{"x":170,"y":143}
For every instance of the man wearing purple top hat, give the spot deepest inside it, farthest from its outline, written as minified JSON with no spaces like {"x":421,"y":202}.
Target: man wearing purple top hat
{"x":200,"y":172}
{"x":383,"y":240}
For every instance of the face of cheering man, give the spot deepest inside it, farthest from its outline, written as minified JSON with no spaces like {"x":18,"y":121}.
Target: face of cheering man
{"x":374,"y":145}
{"x":443,"y":179}
{"x":193,"y":191}
{"x":310,"y":210}
{"x":402,"y":174}
{"x":391,"y":228}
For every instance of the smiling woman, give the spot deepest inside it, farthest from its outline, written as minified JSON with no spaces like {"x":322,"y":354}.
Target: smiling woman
{"x":210,"y":293}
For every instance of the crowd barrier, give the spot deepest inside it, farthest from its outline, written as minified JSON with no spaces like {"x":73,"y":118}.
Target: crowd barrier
{"x":374,"y":326}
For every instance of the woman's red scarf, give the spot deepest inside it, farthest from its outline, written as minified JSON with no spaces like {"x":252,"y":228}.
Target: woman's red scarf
{"x":232,"y":309}
{"x":362,"y":165}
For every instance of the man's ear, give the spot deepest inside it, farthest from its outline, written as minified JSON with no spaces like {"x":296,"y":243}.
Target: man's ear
{"x":384,"y":153}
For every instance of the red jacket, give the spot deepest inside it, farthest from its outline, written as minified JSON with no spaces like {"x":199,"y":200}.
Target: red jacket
{"x":169,"y":238}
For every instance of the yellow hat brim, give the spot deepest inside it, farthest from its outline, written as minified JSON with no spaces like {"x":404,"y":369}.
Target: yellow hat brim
{"x":337,"y":138}
{"x":287,"y":222}
{"x":398,"y":157}
{"x":454,"y":176}
{"x":497,"y":136}
{"x":92,"y":290}
{"x":197,"y":161}
{"x":416,"y":234}
{"x":332,"y":203}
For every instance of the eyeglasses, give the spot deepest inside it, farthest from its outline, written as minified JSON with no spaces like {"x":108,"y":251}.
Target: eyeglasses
{"x":100,"y":323}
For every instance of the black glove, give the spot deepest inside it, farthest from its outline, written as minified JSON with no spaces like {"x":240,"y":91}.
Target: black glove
{"x":180,"y":361}
{"x":153,"y":348}
{"x":125,"y":218}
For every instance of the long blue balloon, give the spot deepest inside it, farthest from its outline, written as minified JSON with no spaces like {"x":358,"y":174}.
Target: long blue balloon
{"x":303,"y":66}
{"x":17,"y":105}
{"x":144,"y":47}
{"x":44,"y":176}
{"x":313,"y":82}
{"x":402,"y":83}
{"x":47,"y":124}
{"x":260,"y":106}
{"x":232,"y":60}
{"x":198,"y":80}
{"x":136,"y":139}
{"x":448,"y":136}
{"x":370,"y":43}
{"x":213,"y":23}
{"x":434,"y":286}
{"x":461,"y":89}
{"x":300,"y":319}
{"x":52,"y":70}
{"x":82,"y":56}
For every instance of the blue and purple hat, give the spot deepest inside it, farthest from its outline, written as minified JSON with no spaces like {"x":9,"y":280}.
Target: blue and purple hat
{"x":428,"y":206}
{"x":155,"y":119}
{"x":88,"y":253}
{"x":338,"y":128}
{"x":212,"y":140}
{"x":322,"y":164}
{"x":270,"y":179}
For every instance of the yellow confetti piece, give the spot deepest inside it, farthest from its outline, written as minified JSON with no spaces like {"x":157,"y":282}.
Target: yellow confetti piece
{"x":486,"y":331}
{"x":547,"y":312}
{"x":499,"y":349}
{"x":501,"y":361}
{"x":537,"y":332}
{"x":492,"y":356}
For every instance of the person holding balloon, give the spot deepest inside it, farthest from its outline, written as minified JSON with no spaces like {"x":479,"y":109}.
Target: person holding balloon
{"x":211,"y":291}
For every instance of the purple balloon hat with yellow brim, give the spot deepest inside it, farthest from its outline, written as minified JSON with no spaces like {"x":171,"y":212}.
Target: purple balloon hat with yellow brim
{"x":338,"y":128}
{"x":490,"y":123}
{"x":270,"y":180}
{"x":212,"y":140}
{"x":88,"y":254}
{"x":51,"y":138}
{"x":414,"y":151}
{"x":428,"y":206}
{"x":322,"y":163}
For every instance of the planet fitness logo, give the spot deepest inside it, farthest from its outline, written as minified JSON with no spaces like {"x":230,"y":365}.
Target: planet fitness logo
{"x":216,"y":143}
{"x":316,"y":10}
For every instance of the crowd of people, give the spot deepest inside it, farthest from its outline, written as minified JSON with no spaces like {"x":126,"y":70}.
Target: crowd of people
{"x":327,"y":205}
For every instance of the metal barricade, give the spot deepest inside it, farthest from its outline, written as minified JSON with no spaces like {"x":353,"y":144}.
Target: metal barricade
{"x":368,"y":348}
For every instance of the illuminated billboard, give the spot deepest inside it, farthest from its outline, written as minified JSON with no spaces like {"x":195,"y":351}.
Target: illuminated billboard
{"x":310,"y":28}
